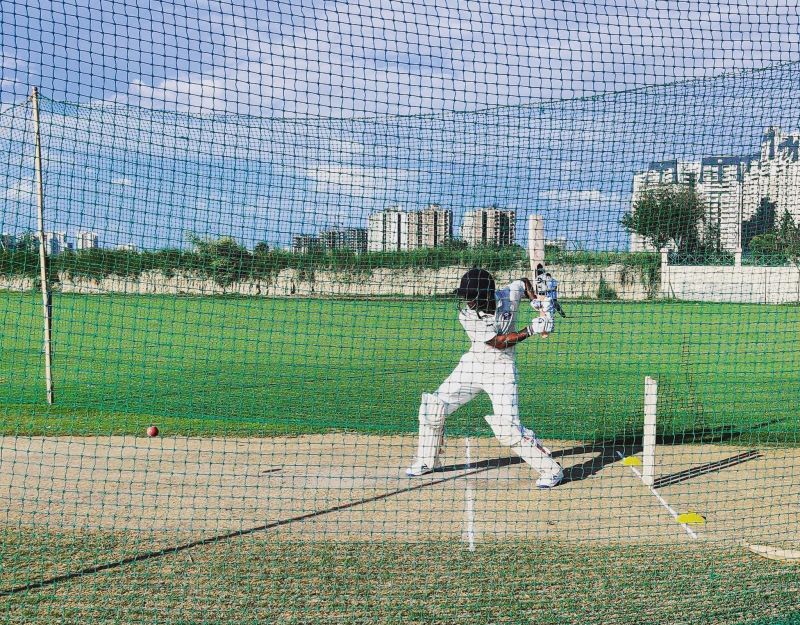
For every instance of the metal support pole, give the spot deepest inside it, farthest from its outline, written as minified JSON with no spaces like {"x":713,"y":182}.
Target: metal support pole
{"x":737,"y":258}
{"x":47,"y":300}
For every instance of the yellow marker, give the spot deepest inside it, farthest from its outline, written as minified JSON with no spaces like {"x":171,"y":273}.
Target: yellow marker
{"x":631,"y":461}
{"x":691,"y":518}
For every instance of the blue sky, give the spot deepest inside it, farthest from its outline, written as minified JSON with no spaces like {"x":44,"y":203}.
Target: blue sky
{"x":279,"y":118}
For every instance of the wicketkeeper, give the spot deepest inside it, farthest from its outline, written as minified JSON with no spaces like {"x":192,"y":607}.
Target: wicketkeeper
{"x":488,"y":317}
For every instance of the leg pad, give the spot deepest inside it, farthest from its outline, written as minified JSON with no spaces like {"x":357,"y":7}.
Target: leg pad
{"x":524,"y":443}
{"x":432,"y":414}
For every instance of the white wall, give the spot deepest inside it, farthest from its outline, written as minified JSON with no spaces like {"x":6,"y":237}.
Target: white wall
{"x":574,"y":282}
{"x":756,"y":285}
{"x":753,"y":285}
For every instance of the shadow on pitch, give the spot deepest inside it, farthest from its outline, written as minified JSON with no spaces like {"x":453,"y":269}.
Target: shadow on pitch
{"x":414,"y":485}
{"x":703,"y":469}
{"x":493,"y":463}
{"x":606,"y":452}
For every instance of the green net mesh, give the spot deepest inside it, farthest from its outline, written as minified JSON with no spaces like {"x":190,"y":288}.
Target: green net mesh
{"x":252,"y":224}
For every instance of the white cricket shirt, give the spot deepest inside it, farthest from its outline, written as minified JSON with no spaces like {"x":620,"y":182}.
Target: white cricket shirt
{"x":482,"y":327}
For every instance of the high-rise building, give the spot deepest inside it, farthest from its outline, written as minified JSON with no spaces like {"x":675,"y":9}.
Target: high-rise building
{"x":86,"y":240}
{"x":355,"y":240}
{"x":410,"y":231}
{"x":395,"y":230}
{"x":351,"y":239}
{"x":435,"y":227}
{"x":489,"y":226}
{"x":732,"y":187}
{"x":774,"y":173}
{"x":330,"y":239}
{"x":305,"y":244}
{"x":55,"y":242}
{"x":384,"y":230}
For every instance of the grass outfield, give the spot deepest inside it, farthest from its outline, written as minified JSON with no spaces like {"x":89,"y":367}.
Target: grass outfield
{"x":255,"y":580}
{"x":251,"y":366}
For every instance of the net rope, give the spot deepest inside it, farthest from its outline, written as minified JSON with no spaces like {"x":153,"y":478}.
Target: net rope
{"x":255,"y":222}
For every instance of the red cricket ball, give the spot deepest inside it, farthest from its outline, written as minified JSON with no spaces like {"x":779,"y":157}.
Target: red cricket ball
{"x":152,"y":431}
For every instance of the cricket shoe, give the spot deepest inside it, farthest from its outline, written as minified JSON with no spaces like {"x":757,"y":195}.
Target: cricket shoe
{"x":420,"y":468}
{"x":550,"y":480}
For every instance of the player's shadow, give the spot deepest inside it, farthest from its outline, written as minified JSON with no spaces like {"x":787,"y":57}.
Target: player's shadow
{"x":609,"y":451}
{"x":492,"y":463}
{"x":606,"y":452}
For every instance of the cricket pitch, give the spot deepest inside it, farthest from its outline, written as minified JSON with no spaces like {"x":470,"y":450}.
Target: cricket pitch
{"x":344,"y":486}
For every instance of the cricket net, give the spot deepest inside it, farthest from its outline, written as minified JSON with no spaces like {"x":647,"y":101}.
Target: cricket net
{"x":231,"y":237}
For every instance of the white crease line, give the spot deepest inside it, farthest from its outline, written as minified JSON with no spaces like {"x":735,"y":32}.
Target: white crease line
{"x":661,"y":500}
{"x":469,"y":504}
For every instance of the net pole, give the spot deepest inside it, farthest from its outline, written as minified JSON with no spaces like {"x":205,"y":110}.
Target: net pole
{"x":535,"y":242}
{"x":47,"y":301}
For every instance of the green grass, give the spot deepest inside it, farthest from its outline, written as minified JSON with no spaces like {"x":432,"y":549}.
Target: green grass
{"x":260,"y":367}
{"x":226,"y":261}
{"x":256,"y":580}
{"x":251,"y":366}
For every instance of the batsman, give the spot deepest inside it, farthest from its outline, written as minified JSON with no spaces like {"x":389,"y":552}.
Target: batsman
{"x":488,"y":316}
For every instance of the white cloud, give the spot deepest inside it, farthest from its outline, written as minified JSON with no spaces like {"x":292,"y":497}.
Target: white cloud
{"x":124,"y":182}
{"x":356,"y":58}
{"x":191,"y":93}
{"x":8,"y":63}
{"x":9,"y":67}
{"x":576,"y":196}
{"x":357,"y":181}
{"x":21,"y":191}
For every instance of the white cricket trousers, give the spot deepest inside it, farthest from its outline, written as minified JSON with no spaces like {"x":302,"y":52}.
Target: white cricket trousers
{"x":497,"y":377}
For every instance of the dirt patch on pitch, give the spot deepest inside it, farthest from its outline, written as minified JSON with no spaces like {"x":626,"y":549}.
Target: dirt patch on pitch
{"x":351,"y":486}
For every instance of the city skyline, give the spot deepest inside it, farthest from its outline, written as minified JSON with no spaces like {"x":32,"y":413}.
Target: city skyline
{"x":396,"y":229}
{"x":732,"y":187}
{"x":572,"y":162}
{"x":429,"y":227}
{"x":56,"y":242}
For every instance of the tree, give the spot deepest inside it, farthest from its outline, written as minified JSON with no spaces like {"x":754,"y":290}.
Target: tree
{"x":223,"y":259}
{"x":789,"y":237}
{"x":261,"y":248}
{"x":766,"y":246}
{"x":667,"y":213}
{"x":779,"y":244}
{"x":712,"y":238}
{"x":762,"y":222}
{"x":454,"y":244}
{"x":787,"y":229}
{"x":27,"y":242}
